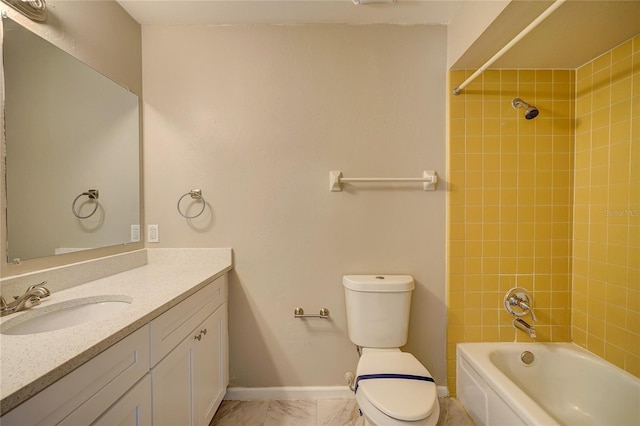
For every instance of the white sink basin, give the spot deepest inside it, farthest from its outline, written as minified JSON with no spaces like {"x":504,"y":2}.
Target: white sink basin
{"x":66,"y":314}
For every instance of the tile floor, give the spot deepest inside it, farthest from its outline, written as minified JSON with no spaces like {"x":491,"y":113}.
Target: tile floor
{"x":321,"y":412}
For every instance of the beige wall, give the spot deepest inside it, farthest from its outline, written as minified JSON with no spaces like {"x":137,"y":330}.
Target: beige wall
{"x":104,"y":36}
{"x":256,"y":117}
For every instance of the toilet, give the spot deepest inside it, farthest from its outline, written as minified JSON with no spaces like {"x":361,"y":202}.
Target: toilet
{"x":392,"y":387}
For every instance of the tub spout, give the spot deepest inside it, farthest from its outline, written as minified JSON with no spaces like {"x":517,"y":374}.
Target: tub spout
{"x":521,"y":324}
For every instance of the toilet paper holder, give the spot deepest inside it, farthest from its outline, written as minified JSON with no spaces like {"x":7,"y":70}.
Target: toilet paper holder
{"x":299,"y":313}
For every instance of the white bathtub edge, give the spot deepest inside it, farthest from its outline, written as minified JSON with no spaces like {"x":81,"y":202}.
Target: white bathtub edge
{"x":504,"y":389}
{"x":490,"y":387}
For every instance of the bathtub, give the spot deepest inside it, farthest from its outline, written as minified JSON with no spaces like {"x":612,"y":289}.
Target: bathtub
{"x":564,"y":385}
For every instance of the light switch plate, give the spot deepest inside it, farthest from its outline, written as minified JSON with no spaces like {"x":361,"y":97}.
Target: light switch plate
{"x":152,"y":234}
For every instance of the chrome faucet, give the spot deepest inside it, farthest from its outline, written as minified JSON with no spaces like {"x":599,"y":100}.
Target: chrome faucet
{"x":29,"y":299}
{"x":524,"y":326}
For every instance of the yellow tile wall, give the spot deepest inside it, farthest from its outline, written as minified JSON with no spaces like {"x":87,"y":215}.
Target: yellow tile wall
{"x":551,"y":204}
{"x":510,"y":205}
{"x":606,"y":259}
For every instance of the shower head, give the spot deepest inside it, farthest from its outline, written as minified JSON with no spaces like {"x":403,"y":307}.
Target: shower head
{"x":530,"y":112}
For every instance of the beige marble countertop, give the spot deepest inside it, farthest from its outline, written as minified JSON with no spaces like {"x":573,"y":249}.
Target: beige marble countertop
{"x":29,"y":363}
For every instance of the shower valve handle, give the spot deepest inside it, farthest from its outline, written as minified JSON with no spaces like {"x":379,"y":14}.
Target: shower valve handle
{"x":519,"y":297}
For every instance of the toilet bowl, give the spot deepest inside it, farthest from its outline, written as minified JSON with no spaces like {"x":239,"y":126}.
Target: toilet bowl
{"x":392,"y":387}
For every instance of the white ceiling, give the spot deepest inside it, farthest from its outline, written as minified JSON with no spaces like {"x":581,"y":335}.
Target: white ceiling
{"x":579,"y":31}
{"x":229,"y":12}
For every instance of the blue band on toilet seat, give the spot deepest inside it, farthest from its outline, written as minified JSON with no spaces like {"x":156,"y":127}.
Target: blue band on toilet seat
{"x":392,"y":376}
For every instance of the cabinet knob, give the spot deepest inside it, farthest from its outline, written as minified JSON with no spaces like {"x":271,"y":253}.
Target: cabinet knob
{"x":198,"y":337}
{"x":203,"y":331}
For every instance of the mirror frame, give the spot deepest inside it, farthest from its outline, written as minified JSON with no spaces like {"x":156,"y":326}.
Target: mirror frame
{"x":120,"y":61}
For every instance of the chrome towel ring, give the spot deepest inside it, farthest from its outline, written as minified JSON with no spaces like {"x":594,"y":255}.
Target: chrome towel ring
{"x":195,"y":194}
{"x":93,"y":194}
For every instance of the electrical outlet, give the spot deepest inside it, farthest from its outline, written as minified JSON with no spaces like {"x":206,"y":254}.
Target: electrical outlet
{"x":152,"y":234}
{"x":135,"y":233}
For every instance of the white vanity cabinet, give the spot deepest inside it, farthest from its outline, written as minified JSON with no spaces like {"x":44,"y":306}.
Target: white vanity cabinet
{"x":172,"y":371}
{"x":88,"y":392}
{"x":189,"y":358}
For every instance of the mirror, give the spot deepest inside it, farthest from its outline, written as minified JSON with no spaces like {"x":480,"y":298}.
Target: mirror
{"x":68,"y":130}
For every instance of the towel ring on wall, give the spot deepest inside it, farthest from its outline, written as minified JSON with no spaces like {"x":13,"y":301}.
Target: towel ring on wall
{"x":93,"y":194}
{"x":196,"y":194}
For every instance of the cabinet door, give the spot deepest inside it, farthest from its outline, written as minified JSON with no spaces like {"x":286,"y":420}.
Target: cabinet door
{"x":133,"y":409}
{"x":190,"y":382}
{"x":210,"y":376}
{"x":172,"y":387}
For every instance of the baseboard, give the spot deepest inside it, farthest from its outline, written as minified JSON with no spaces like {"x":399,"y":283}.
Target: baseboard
{"x":298,"y":392}
{"x":289,"y":392}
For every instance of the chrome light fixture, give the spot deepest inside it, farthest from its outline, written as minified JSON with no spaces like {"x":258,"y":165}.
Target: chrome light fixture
{"x":36,"y":10}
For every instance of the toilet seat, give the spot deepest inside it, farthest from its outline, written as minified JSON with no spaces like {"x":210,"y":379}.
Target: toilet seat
{"x":403,"y":399}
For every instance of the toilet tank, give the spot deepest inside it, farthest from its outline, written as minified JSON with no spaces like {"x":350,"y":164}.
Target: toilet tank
{"x":378,"y":309}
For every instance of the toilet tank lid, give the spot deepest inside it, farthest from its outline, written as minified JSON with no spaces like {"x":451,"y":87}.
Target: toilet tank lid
{"x":378,"y":283}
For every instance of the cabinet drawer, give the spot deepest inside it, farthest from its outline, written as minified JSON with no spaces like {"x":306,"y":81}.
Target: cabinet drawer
{"x":170,"y":328}
{"x":85,"y":393}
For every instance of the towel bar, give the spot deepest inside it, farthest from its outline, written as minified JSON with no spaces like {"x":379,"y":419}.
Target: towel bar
{"x":429,"y":180}
{"x":299,"y":313}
